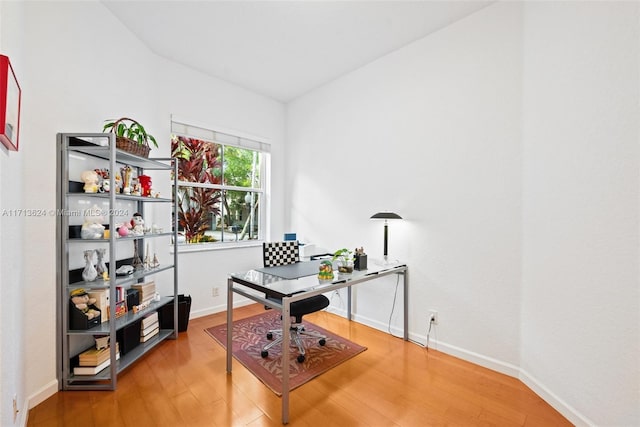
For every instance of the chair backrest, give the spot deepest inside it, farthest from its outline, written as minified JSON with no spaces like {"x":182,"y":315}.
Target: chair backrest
{"x":280,"y":253}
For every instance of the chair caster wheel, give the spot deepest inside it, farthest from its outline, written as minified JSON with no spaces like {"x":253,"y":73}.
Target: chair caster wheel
{"x":269,"y":336}
{"x":300,"y":358}
{"x":264,"y":354}
{"x":322,"y":342}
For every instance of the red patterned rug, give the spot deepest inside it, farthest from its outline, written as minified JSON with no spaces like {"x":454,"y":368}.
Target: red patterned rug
{"x":249,"y":336}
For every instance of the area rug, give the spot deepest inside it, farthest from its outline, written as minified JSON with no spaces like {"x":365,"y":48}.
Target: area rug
{"x":249,"y":336}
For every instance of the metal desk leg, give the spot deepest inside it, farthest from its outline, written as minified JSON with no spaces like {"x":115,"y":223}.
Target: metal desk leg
{"x":286,"y":335}
{"x":229,"y":322}
{"x":348,"y":302}
{"x":406,"y":304}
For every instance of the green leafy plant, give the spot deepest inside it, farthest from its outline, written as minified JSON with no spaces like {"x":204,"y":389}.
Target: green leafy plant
{"x":129,"y":128}
{"x":345,"y":259}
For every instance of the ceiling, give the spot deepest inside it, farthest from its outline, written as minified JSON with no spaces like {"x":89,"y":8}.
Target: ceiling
{"x":283,"y":49}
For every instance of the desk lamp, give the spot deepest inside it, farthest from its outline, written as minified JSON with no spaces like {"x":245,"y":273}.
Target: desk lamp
{"x":386,"y":216}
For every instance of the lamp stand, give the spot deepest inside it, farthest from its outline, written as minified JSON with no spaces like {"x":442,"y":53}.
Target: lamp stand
{"x":386,"y":239}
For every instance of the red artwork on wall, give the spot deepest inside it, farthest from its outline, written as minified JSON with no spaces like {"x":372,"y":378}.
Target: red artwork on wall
{"x":9,"y":105}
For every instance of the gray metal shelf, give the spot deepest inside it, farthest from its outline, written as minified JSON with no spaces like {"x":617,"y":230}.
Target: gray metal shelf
{"x":128,"y":197}
{"x":70,"y":342}
{"x":120,"y":280}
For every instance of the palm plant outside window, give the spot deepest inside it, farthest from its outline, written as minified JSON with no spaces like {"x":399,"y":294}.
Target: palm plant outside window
{"x":220,"y":190}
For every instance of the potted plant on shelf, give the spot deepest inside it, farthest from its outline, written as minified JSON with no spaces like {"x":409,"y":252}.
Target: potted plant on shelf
{"x":344,"y":259}
{"x":131,"y":136}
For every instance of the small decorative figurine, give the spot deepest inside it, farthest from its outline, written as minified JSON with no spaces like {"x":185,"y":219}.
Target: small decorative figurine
{"x":137,"y":262}
{"x":92,"y":227}
{"x":137,"y":224}
{"x":118,"y":182}
{"x":127,"y":174}
{"x":103,"y":180}
{"x":145,"y":184}
{"x":89,"y":273}
{"x":101,"y":267}
{"x":123,"y":230}
{"x":147,"y":259}
{"x":90,"y":179}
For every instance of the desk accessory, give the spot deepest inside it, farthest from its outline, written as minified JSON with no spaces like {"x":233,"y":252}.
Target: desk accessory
{"x":386,"y":216}
{"x":360,"y":260}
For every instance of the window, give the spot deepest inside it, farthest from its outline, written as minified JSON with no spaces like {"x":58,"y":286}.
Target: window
{"x":221,"y":185}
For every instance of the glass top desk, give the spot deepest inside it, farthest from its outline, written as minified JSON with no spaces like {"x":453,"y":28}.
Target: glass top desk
{"x":282,"y":281}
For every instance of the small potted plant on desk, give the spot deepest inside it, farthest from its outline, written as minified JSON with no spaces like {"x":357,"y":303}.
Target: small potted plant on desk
{"x":131,"y":136}
{"x":344,"y":258}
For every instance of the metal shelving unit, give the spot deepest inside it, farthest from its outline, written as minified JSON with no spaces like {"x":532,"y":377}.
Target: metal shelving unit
{"x":100,"y":149}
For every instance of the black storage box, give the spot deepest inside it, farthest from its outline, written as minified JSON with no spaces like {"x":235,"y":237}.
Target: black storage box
{"x":165,"y":314}
{"x":129,"y":337}
{"x":79,"y":320}
{"x":133,"y":298}
{"x":76,"y":187}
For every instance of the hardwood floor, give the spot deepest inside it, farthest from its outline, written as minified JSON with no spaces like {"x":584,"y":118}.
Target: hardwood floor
{"x":393,"y":383}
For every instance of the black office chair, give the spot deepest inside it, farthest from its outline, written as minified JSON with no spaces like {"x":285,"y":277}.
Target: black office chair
{"x":283,"y":253}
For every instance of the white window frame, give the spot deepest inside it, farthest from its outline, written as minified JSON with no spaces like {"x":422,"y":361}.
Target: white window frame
{"x":217,"y":135}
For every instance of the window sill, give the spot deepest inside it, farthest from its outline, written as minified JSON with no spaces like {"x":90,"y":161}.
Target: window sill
{"x":202,"y":247}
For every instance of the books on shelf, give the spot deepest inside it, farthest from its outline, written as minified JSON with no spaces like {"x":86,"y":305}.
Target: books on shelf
{"x":149,"y":327}
{"x":95,"y":357}
{"x":149,"y":319}
{"x":102,"y":302}
{"x":147,"y":290}
{"x":93,"y":370}
{"x":148,"y":336}
{"x":120,"y":294}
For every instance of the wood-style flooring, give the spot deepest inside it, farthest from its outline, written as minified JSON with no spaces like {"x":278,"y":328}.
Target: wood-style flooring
{"x":393,"y":383}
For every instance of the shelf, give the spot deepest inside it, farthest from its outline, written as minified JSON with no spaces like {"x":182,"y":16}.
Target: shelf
{"x":121,"y":322}
{"x":99,"y":147}
{"x":119,"y":239}
{"x":120,"y":196}
{"x":120,"y":280}
{"x":125,"y":360}
{"x":76,"y":151}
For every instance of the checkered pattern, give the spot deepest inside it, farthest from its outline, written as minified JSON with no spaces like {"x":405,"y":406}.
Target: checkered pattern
{"x":280,"y":253}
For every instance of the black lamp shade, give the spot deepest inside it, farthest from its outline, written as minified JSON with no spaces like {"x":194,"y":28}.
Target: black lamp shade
{"x":386,"y":215}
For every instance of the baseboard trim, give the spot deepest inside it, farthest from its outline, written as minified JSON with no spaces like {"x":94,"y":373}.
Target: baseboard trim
{"x":554,"y":400}
{"x":509,"y":369}
{"x":37,"y":398}
{"x":218,"y":308}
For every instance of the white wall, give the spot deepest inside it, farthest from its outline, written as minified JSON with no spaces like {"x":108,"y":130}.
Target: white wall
{"x":82,"y":67}
{"x":522,"y":198}
{"x":509,"y":142}
{"x":580,"y":312}
{"x":432,"y":132}
{"x":12,"y":339}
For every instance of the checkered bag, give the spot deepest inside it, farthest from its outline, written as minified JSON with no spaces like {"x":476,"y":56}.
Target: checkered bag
{"x":280,"y":253}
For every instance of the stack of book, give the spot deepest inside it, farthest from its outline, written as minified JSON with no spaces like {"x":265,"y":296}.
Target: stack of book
{"x":93,"y":361}
{"x":147,"y":291}
{"x":150,"y":327}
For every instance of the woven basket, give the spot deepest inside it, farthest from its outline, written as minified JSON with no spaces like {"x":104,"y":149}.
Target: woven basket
{"x":131,"y":146}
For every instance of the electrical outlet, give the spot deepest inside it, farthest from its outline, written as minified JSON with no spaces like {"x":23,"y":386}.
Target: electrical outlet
{"x":433,"y":317}
{"x":15,"y":407}
{"x":215,"y":292}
